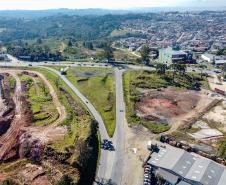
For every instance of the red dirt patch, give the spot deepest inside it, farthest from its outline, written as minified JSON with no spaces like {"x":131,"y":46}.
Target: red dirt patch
{"x":166,"y":104}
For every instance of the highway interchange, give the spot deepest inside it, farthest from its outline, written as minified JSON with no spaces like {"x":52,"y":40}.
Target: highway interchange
{"x":111,"y":162}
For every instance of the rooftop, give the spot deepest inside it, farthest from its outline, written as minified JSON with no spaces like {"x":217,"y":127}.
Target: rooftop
{"x":190,"y":166}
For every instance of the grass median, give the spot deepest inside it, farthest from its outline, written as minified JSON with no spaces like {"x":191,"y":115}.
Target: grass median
{"x":98,"y":86}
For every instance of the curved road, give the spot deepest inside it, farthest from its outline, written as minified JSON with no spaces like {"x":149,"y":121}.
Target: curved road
{"x":111,"y":163}
{"x":107,"y":158}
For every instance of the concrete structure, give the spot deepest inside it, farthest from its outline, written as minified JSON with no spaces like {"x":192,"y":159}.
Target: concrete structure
{"x":207,"y":57}
{"x":171,"y":55}
{"x":217,"y":60}
{"x":179,"y":167}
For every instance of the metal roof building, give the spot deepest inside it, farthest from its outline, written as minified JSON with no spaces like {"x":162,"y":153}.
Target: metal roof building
{"x":188,"y":168}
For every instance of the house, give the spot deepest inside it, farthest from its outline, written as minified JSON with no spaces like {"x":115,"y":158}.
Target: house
{"x":179,"y":167}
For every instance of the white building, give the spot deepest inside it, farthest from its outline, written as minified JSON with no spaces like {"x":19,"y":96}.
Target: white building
{"x":217,"y":60}
{"x":207,"y":57}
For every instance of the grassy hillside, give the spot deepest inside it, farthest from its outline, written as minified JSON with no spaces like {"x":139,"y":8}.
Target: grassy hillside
{"x":98,"y":86}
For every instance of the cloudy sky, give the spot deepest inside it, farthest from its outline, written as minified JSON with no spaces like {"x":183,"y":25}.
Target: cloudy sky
{"x":110,"y":4}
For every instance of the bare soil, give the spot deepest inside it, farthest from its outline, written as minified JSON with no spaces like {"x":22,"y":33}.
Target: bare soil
{"x":164,"y":105}
{"x":21,"y":134}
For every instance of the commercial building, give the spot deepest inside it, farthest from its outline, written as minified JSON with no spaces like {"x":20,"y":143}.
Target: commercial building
{"x":172,"y":55}
{"x":217,"y":60}
{"x":179,"y":167}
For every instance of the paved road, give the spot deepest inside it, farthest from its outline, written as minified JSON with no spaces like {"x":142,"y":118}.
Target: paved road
{"x":119,"y":137}
{"x":111,"y":163}
{"x":107,"y":157}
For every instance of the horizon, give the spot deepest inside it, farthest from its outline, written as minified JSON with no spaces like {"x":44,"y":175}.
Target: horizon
{"x":109,"y":5}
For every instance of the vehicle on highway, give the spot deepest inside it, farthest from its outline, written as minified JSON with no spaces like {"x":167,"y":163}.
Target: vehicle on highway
{"x":121,"y":110}
{"x":29,"y":64}
{"x":107,"y":145}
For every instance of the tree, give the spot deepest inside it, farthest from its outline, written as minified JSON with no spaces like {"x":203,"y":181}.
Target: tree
{"x":8,"y":182}
{"x":224,"y":69}
{"x":161,"y":68}
{"x":108,"y":52}
{"x":144,"y":52}
{"x":88,"y":45}
{"x":66,"y":180}
{"x":178,"y":67}
{"x":39,"y":41}
{"x":182,"y":68}
{"x":202,"y":67}
{"x":70,"y":43}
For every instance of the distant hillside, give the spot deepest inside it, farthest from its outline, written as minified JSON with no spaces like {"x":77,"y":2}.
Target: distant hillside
{"x":53,"y":12}
{"x":83,"y":12}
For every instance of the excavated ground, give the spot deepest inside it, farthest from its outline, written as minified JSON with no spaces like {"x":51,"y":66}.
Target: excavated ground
{"x":18,"y":135}
{"x":162,"y":106}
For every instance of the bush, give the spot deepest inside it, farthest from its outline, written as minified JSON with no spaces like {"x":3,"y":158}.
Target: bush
{"x":8,"y":182}
{"x":66,"y":180}
{"x":41,"y":116}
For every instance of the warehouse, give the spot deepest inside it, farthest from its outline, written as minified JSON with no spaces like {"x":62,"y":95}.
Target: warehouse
{"x":180,"y":167}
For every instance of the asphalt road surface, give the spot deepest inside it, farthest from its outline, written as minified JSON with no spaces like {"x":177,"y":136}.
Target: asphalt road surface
{"x":111,"y":162}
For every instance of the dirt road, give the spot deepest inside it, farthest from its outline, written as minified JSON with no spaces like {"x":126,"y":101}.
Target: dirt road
{"x":20,"y":123}
{"x":48,"y":133}
{"x":9,"y":139}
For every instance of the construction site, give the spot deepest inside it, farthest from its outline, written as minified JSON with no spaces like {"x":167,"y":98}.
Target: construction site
{"x":36,"y":137}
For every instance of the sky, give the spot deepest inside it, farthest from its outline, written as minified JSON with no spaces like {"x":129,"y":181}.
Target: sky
{"x":109,"y":4}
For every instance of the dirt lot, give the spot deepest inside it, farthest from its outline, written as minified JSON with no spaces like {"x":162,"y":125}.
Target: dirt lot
{"x":166,"y":105}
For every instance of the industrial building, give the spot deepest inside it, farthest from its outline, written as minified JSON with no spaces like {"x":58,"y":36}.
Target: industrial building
{"x":217,"y":60}
{"x":173,"y":54}
{"x":179,"y":167}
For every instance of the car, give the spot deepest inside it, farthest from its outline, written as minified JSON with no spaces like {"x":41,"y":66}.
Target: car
{"x":87,"y":102}
{"x":29,"y":64}
{"x":147,"y":183}
{"x":121,"y":110}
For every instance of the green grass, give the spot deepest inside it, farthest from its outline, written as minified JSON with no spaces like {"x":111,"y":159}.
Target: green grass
{"x":98,"y":86}
{"x":222,"y":149}
{"x":42,"y":107}
{"x":12,"y":83}
{"x":135,"y":81}
{"x":119,"y":33}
